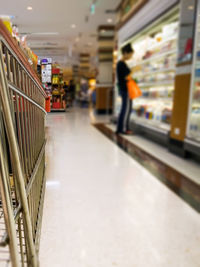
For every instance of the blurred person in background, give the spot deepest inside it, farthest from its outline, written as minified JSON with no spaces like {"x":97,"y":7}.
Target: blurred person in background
{"x":84,"y":97}
{"x":65,"y":96}
{"x":72,"y":91}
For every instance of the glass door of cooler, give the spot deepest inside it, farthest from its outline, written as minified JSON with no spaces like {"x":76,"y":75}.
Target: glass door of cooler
{"x":193,"y":130}
{"x":154,"y":67}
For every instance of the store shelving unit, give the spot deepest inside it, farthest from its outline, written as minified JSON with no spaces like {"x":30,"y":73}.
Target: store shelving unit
{"x":155,"y":57}
{"x":156,"y":83}
{"x":157,"y":71}
{"x":57,"y":90}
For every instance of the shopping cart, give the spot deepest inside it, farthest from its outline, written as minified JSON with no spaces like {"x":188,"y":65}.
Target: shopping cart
{"x":22,"y":156}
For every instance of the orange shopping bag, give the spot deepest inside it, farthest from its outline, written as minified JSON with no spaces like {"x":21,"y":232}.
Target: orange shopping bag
{"x":133,"y":89}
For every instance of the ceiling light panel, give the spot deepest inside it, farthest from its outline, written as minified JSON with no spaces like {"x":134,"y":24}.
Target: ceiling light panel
{"x":44,"y":33}
{"x":109,"y":20}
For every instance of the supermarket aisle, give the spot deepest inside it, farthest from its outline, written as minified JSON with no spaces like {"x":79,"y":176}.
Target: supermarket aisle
{"x":103,"y":209}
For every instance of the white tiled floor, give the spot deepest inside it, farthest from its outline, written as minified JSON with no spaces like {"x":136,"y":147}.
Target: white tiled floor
{"x":102,"y":209}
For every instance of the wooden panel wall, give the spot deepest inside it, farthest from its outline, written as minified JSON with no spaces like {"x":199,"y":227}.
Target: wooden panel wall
{"x":102,"y":95}
{"x":180,"y":110}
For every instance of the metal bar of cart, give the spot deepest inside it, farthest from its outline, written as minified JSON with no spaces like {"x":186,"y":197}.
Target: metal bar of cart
{"x":7,"y":207}
{"x":28,"y":188}
{"x":22,"y":160}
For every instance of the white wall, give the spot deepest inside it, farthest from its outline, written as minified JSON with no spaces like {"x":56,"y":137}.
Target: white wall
{"x":105,"y":72}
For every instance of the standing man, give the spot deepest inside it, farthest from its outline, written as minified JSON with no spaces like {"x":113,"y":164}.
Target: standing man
{"x":123,"y":74}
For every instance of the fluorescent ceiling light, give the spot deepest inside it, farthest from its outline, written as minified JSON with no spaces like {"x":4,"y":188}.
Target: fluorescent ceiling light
{"x":29,"y":8}
{"x":109,"y":20}
{"x":45,"y":33}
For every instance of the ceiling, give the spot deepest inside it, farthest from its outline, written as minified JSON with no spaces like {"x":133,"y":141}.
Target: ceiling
{"x":49,"y":25}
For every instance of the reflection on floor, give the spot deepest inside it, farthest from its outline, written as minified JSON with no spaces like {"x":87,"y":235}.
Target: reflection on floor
{"x":187,"y":167}
{"x":103,"y":209}
{"x":180,"y":175}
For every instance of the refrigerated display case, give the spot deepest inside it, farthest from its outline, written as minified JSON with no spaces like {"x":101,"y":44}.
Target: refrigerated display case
{"x":186,"y":32}
{"x":192,"y":141}
{"x":154,"y":66}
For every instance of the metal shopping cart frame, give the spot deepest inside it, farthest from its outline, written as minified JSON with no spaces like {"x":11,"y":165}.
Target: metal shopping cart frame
{"x":22,"y":156}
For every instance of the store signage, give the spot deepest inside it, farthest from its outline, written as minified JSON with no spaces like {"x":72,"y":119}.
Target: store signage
{"x":46,"y":73}
{"x":46,"y":61}
{"x":92,"y":9}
